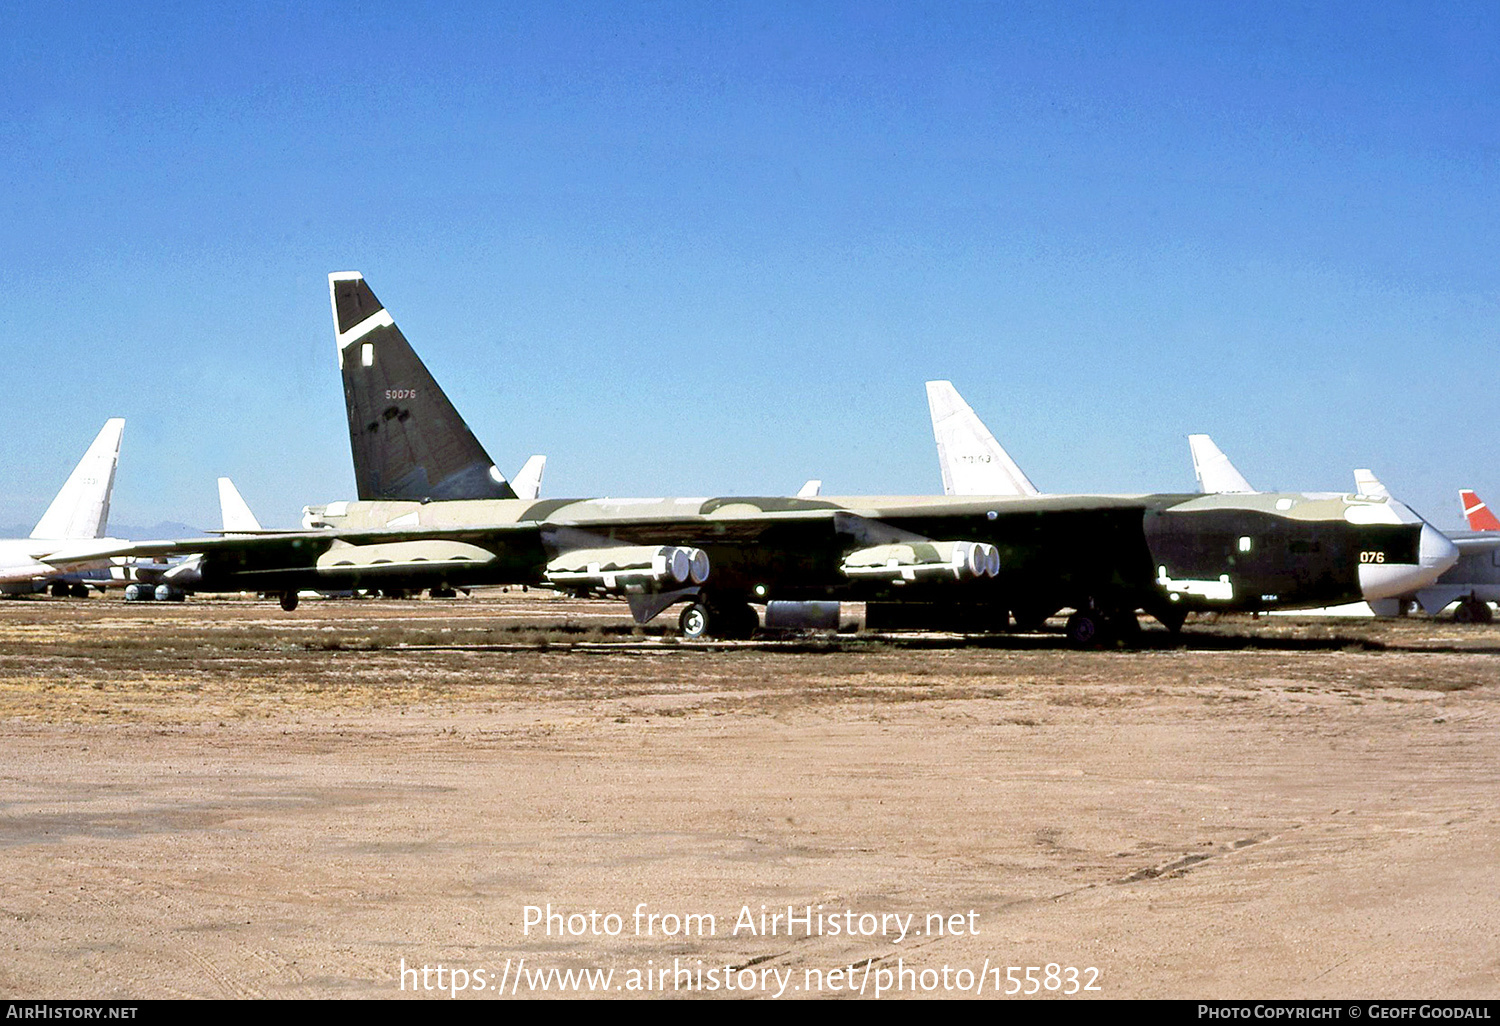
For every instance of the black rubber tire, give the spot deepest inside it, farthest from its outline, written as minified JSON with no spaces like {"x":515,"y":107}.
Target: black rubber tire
{"x":1471,"y":610}
{"x":695,"y":621}
{"x":289,"y":600}
{"x":1086,"y":628}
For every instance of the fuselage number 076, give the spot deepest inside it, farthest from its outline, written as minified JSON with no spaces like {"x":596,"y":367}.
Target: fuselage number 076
{"x":1372,"y":557}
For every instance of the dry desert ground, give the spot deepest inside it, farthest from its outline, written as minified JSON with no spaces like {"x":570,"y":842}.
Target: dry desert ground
{"x":219,"y":799}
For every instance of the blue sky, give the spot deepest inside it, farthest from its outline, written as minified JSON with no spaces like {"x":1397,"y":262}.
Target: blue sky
{"x":717,"y":248}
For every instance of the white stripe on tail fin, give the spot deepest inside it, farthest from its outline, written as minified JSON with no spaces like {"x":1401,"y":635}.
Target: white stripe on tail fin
{"x":1477,"y":513}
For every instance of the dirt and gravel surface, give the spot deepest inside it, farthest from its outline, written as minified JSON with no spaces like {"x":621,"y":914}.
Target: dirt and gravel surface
{"x":219,"y":799}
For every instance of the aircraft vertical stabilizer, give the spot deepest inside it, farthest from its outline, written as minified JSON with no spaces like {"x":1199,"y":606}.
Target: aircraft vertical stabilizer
{"x":972,"y":462}
{"x":234,"y":510}
{"x":1478,"y":515}
{"x":81,"y":509}
{"x":408,"y":441}
{"x":1366,"y":483}
{"x":528,"y":482}
{"x":1214,"y":471}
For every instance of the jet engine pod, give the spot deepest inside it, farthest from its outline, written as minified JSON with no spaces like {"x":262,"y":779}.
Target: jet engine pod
{"x":924,"y":560}
{"x":698,"y":572}
{"x":628,"y":569}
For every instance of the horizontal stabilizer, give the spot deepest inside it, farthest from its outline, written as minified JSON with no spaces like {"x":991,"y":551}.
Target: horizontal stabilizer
{"x":1214,"y":471}
{"x":81,"y":509}
{"x":972,"y":462}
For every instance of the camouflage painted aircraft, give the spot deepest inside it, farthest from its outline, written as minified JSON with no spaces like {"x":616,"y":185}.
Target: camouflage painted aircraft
{"x":973,"y":462}
{"x":69,"y":539}
{"x":1104,"y":556}
{"x":1473,"y":581}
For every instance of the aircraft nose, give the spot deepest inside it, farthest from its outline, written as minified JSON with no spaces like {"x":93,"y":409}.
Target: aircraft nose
{"x":1435,"y":554}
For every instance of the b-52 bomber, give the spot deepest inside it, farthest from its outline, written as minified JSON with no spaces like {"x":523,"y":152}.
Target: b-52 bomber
{"x":1107,"y":557}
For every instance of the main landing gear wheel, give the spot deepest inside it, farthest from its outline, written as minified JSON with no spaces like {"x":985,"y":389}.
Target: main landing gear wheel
{"x":1471,"y":610}
{"x":737,"y":620}
{"x":1085,"y":628}
{"x":695,"y":621}
{"x":289,"y":600}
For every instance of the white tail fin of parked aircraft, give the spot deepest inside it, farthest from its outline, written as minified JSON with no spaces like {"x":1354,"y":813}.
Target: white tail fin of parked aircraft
{"x":1366,"y":483}
{"x":81,"y":509}
{"x":71,"y":532}
{"x":528,"y":482}
{"x":234,"y":511}
{"x":1214,"y":471}
{"x":972,"y":462}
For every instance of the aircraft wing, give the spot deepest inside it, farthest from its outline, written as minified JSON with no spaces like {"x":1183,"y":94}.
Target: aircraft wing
{"x":63,"y":556}
{"x":1476,"y":541}
{"x":687,"y":528}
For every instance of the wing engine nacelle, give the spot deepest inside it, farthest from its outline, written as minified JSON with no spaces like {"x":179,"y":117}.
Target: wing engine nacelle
{"x":628,"y":569}
{"x":911,"y":561}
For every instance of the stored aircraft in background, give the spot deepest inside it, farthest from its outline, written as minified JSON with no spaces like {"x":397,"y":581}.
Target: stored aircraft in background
{"x":69,"y":539}
{"x":1477,"y":513}
{"x":1106,"y":557}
